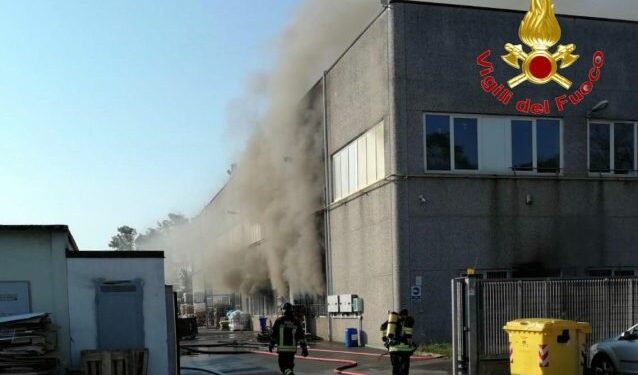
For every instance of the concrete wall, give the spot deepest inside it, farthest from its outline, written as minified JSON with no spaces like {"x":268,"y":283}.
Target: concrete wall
{"x":38,"y":256}
{"x":362,"y":242}
{"x":575,"y":222}
{"x":436,"y":67}
{"x":83,"y":272}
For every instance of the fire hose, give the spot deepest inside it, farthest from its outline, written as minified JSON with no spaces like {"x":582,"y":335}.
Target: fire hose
{"x":250,"y":348}
{"x":200,"y":370}
{"x":193,"y":348}
{"x":346,"y":363}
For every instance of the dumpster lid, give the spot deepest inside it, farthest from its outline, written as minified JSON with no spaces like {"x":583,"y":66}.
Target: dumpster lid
{"x":542,"y":325}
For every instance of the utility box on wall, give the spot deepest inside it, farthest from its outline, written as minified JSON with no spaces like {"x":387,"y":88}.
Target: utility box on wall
{"x":347,"y":303}
{"x":357,"y":304}
{"x":333,"y":304}
{"x":15,"y":298}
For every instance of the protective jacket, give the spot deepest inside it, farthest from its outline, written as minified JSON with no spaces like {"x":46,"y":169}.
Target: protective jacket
{"x":402,"y":342}
{"x":287,"y":333}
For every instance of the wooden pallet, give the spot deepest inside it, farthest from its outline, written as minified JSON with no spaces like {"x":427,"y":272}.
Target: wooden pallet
{"x":120,"y":362}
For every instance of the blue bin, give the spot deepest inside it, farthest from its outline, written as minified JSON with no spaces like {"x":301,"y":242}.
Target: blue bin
{"x":262,"y":323}
{"x":351,"y":338}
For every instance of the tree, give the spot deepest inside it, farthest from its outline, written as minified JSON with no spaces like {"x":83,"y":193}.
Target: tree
{"x":124,"y":240}
{"x":154,"y":236}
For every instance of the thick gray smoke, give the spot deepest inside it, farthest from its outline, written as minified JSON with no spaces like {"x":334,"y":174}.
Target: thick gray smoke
{"x":278,"y":182}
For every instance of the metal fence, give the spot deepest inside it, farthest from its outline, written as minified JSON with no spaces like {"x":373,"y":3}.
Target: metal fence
{"x":482,"y":307}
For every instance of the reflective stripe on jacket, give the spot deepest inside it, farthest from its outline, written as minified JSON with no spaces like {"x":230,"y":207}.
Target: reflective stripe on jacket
{"x":287,"y":333}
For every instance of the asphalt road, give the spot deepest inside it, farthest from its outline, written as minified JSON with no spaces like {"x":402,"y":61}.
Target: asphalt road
{"x":324,"y":358}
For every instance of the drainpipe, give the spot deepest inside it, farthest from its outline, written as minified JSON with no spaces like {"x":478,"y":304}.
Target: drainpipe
{"x":327,"y":197}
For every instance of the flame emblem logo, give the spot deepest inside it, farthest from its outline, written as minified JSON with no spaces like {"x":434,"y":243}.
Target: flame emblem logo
{"x":540,"y":31}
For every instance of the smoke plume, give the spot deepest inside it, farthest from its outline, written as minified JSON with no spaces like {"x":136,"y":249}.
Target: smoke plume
{"x":277,"y":186}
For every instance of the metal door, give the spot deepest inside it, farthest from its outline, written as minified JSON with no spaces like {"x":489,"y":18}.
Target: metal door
{"x":120,"y":318}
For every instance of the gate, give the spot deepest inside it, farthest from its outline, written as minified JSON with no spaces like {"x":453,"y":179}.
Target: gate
{"x":481,"y":308}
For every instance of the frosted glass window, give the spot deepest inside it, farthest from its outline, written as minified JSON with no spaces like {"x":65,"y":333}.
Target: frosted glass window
{"x":344,"y":174}
{"x":352,"y":168}
{"x":337,"y":176}
{"x":361,"y":161}
{"x":359,"y":164}
{"x":371,"y":156}
{"x":379,"y":135}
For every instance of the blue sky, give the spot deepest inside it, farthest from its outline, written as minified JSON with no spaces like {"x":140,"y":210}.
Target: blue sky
{"x":114,"y":112}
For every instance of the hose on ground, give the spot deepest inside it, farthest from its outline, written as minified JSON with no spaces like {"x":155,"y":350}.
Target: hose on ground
{"x":200,"y":370}
{"x":220,"y":352}
{"x":234,"y":344}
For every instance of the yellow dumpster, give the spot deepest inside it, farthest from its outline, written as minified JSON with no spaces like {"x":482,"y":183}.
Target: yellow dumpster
{"x":547,"y":346}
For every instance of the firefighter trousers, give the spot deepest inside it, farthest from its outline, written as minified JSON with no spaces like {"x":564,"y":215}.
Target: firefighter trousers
{"x":286,"y":362}
{"x":400,"y":363}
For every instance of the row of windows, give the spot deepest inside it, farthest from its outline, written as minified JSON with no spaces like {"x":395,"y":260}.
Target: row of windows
{"x":359,"y":164}
{"x":470,"y":143}
{"x":492,"y":144}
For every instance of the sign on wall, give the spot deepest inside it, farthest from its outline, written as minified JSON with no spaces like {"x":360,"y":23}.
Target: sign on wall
{"x":14,"y":298}
{"x":415,"y":292}
{"x":541,"y":62}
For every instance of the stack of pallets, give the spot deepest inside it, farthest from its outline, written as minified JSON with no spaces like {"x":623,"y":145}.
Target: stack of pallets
{"x":120,"y":362}
{"x":27,"y":345}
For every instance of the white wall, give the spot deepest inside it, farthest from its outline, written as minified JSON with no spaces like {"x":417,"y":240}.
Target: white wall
{"x":82,"y":273}
{"x":38,"y":256}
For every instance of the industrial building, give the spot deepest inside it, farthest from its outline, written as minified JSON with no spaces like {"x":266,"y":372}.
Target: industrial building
{"x":95,"y":300}
{"x":443,"y":155}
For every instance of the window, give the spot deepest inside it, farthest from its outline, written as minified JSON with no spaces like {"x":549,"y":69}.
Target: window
{"x":359,"y":164}
{"x":465,"y":144}
{"x":548,"y":146}
{"x":439,"y":140}
{"x":522,"y":146}
{"x":492,"y":145}
{"x":536,"y":146}
{"x":612,"y":147}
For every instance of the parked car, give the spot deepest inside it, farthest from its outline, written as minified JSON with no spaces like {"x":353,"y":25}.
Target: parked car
{"x":618,"y":355}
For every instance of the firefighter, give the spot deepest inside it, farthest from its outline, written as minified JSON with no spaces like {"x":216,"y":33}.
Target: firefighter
{"x":396,"y":333}
{"x":287,"y":332}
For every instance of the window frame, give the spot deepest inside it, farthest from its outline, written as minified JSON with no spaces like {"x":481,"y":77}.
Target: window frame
{"x":612,"y":149}
{"x":453,"y":169}
{"x":343,"y":152}
{"x":479,"y":125}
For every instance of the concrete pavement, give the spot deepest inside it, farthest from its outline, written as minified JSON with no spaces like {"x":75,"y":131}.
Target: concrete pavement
{"x":324,"y":358}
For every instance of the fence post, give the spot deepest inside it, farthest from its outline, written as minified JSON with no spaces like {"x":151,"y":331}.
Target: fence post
{"x":632,"y":299}
{"x":607,"y":315}
{"x":519,"y":297}
{"x":455,"y":320}
{"x":472,"y":326}
{"x":546,"y":299}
